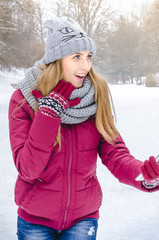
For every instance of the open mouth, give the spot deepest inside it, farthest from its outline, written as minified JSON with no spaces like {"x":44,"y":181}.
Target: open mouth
{"x":80,"y":76}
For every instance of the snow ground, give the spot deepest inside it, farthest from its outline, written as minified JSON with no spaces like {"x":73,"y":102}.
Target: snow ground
{"x":126,"y":213}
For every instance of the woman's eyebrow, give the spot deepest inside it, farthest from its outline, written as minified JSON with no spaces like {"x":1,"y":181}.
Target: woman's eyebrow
{"x":81,"y":53}
{"x":78,"y":53}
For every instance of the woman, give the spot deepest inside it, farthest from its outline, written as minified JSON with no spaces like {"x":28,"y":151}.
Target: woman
{"x":60,"y":118}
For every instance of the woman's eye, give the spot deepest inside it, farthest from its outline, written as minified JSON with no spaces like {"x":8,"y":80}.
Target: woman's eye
{"x":90,"y":56}
{"x":77,"y":57}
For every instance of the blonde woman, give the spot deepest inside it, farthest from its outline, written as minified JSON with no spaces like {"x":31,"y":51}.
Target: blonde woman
{"x":60,"y":119}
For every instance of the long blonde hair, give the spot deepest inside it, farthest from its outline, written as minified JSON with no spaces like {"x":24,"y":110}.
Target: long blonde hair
{"x":53,"y":73}
{"x":105,"y":108}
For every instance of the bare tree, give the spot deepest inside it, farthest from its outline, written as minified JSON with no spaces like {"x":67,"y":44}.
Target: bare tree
{"x":22,"y":34}
{"x":124,"y":50}
{"x":28,"y":16}
{"x":150,"y":39}
{"x":7,"y":27}
{"x":90,"y":14}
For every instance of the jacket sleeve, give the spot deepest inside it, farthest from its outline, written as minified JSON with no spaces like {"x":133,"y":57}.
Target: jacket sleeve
{"x":31,"y":141}
{"x":121,"y":163}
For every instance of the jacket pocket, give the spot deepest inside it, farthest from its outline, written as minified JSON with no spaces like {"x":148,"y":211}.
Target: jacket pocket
{"x":88,"y":200}
{"x":23,"y":190}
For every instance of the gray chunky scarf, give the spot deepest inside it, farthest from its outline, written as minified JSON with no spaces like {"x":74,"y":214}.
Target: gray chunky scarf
{"x":77,"y":114}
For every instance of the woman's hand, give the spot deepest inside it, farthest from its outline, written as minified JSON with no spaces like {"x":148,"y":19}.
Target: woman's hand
{"x":58,"y":100}
{"x":150,"y":170}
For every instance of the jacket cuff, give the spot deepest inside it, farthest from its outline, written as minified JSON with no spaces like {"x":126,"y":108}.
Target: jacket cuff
{"x":150,"y":186}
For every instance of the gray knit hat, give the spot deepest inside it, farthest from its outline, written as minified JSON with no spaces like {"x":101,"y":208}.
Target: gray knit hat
{"x":65,"y":37}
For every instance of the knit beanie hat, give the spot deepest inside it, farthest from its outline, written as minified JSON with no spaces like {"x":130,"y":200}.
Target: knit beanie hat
{"x":65,"y":37}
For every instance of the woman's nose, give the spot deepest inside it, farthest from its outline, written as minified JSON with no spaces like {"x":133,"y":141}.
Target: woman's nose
{"x":86,"y":65}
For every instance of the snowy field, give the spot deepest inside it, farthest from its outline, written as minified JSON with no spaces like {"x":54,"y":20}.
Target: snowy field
{"x":126,"y":213}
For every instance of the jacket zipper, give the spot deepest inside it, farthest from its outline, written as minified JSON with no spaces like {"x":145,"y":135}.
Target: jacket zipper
{"x":69,"y":181}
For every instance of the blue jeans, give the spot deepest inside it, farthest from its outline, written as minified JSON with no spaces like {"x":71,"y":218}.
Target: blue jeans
{"x":83,"y":230}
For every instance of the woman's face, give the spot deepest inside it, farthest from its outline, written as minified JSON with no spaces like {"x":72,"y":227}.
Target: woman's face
{"x":76,"y":67}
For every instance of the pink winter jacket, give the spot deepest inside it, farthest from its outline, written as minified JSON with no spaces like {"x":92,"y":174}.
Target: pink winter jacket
{"x":58,"y":189}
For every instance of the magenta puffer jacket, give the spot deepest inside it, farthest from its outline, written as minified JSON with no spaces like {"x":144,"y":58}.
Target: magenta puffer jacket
{"x":57,"y":189}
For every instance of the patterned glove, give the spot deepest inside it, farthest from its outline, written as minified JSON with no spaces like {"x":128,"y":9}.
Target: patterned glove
{"x":57,"y":101}
{"x":150,"y":170}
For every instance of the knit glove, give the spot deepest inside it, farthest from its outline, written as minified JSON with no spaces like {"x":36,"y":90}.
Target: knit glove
{"x":150,"y":172}
{"x":58,"y":100}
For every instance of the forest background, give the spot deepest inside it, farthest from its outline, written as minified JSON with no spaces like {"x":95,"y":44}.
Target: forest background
{"x":127,"y":45}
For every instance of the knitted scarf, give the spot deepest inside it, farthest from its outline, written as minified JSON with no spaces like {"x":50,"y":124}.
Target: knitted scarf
{"x":77,"y":114}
